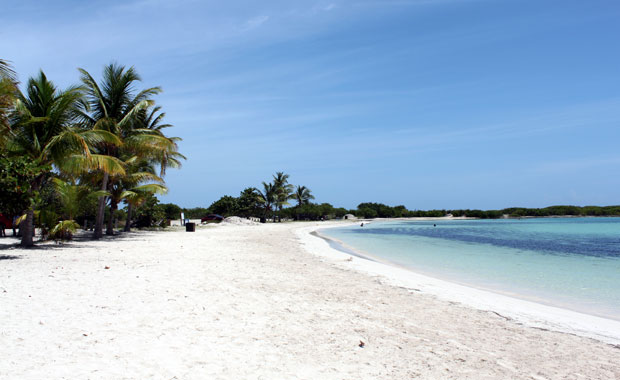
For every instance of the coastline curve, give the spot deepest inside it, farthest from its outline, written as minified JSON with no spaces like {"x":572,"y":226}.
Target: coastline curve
{"x":521,"y":311}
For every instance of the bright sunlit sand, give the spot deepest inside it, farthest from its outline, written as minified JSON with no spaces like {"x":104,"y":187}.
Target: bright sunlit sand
{"x":257,"y":302}
{"x":172,"y":173}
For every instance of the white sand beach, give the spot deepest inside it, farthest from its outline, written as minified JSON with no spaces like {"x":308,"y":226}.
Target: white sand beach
{"x":267,"y":302}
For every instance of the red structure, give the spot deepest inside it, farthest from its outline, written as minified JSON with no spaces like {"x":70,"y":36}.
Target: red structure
{"x":4,"y":223}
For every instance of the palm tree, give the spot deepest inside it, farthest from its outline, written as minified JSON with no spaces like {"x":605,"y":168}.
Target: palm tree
{"x":267,"y":197}
{"x":43,"y":128}
{"x":283,"y":191}
{"x":113,"y":106}
{"x":302,"y":195}
{"x":136,"y":196}
{"x":149,"y":147}
{"x":73,"y":198}
{"x":134,"y":181}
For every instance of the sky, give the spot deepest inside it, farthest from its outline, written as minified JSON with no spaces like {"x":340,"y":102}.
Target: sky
{"x":424,"y":103}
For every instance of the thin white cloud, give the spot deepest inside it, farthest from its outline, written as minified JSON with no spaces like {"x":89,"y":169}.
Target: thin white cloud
{"x":387,"y":142}
{"x":254,"y":22}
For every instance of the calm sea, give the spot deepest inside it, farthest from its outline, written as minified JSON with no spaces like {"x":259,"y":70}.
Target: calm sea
{"x":573,"y":263}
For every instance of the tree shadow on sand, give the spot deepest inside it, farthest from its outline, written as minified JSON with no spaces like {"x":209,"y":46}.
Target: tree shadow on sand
{"x":39,"y":246}
{"x":80,"y":240}
{"x":9,"y":257}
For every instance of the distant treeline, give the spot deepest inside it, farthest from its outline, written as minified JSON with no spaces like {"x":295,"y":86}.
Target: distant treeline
{"x":228,"y":206}
{"x":231,"y":206}
{"x":547,"y":211}
{"x":374,"y":210}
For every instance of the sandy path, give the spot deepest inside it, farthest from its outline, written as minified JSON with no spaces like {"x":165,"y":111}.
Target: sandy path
{"x":249,"y":303}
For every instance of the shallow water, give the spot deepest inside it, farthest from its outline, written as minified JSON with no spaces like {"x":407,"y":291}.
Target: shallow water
{"x":572,"y":263}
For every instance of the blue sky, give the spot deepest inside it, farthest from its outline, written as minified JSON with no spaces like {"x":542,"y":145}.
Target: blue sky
{"x":430,"y":104}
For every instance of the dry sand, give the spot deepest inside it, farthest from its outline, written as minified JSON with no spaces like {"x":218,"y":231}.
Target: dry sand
{"x":250,"y":302}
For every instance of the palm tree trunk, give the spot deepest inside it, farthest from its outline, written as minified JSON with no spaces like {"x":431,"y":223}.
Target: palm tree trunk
{"x":110,"y":229}
{"x":27,"y":229}
{"x":98,"y":234}
{"x":265,"y":214}
{"x":128,"y":221}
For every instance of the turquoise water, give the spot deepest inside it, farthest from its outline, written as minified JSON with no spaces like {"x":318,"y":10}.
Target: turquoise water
{"x":573,"y":263}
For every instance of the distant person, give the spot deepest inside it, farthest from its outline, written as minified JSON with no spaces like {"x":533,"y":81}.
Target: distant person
{"x":362,"y":225}
{"x":434,"y":225}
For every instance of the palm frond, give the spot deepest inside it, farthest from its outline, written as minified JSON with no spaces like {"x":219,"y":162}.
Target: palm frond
{"x":133,"y":111}
{"x":143,"y":177}
{"x":6,"y":71}
{"x":106,"y":124}
{"x":153,"y":188}
{"x":99,"y":193}
{"x":94,"y":91}
{"x":76,"y":164}
{"x":98,"y":136}
{"x":64,"y":230}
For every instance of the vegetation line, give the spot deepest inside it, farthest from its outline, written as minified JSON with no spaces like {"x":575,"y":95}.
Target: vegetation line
{"x":70,"y":157}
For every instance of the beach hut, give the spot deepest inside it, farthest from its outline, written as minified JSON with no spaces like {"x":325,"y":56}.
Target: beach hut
{"x":350,"y":217}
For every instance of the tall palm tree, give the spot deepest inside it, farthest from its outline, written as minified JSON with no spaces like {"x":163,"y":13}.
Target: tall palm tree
{"x":267,"y":197}
{"x":43,"y":128}
{"x":148,"y":147}
{"x":113,"y":106}
{"x":283,"y":191}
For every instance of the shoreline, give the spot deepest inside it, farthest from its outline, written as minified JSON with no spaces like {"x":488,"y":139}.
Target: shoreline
{"x":255,"y":301}
{"x":343,"y":247}
{"x":526,"y":312}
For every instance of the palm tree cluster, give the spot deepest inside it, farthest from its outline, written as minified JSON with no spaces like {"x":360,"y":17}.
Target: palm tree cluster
{"x":99,"y":139}
{"x":277,"y":194}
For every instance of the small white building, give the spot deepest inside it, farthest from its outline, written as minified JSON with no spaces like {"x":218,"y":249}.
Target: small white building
{"x":350,"y":217}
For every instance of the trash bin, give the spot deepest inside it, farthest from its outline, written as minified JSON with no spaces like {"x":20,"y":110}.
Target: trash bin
{"x":190,"y":227}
